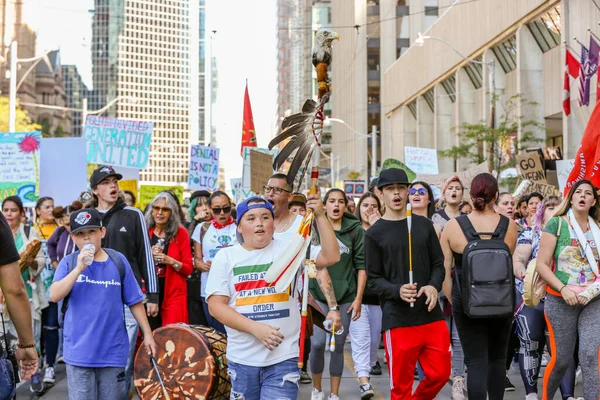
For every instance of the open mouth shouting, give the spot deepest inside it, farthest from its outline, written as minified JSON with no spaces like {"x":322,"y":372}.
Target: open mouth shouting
{"x":397,"y":201}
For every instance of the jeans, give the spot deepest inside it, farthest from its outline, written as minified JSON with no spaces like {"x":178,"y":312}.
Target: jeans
{"x":278,"y":381}
{"x":50,"y":332}
{"x":95,"y":383}
{"x":132,"y":331}
{"x":212,"y":321}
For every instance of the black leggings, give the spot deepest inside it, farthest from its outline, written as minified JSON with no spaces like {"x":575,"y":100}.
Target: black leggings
{"x":484,"y":342}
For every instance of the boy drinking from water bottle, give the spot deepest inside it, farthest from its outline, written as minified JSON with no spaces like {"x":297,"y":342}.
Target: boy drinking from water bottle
{"x":94,"y":284}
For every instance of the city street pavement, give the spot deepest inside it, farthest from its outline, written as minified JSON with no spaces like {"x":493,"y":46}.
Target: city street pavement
{"x":348,"y":388}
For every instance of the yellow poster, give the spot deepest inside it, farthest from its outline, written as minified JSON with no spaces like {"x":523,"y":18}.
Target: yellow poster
{"x":131,"y":185}
{"x":148,"y":192}
{"x":90,"y":169}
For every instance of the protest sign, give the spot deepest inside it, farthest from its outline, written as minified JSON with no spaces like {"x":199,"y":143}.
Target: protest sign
{"x":204,"y":168}
{"x":261,"y":167}
{"x":466,"y":177}
{"x":542,"y":188}
{"x":148,"y":192}
{"x":530,"y":167}
{"x":563,"y":169}
{"x":355,"y":187}
{"x":392,"y":163}
{"x":421,"y":160}
{"x":118,"y":142}
{"x":131,"y":185}
{"x":63,"y":178}
{"x":239,"y":193}
{"x":20,"y":166}
{"x":246,"y":163}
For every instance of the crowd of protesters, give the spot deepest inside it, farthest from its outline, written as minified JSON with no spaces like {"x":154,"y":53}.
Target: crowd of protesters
{"x":384,"y":275}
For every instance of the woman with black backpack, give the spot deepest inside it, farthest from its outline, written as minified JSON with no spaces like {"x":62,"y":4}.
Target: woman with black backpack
{"x":483,"y":328}
{"x":568,"y":262}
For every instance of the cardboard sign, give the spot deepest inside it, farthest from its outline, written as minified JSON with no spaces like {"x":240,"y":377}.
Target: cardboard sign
{"x":466,"y":177}
{"x":355,"y":188}
{"x":542,"y":188}
{"x":20,"y":166}
{"x":261,"y":168}
{"x":204,"y":168}
{"x":421,"y":160}
{"x":530,"y":167}
{"x":54,"y":164}
{"x":118,"y":142}
{"x":148,"y":192}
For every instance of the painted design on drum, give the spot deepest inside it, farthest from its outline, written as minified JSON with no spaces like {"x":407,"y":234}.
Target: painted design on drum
{"x":191,"y":361}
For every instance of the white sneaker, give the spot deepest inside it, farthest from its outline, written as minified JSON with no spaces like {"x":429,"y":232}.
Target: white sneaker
{"x":317,"y":395}
{"x":333,"y":397}
{"x":458,"y":388}
{"x":49,"y":375}
{"x":531,"y":396}
{"x":545,"y":359}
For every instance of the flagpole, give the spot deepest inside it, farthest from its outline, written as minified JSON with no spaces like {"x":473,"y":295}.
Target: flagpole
{"x":575,"y":39}
{"x":572,"y":49}
{"x":593,"y":34}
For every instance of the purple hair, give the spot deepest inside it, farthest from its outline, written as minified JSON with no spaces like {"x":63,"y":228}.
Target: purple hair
{"x":538,"y":217}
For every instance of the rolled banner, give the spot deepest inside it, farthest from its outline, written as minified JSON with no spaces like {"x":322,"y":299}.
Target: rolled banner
{"x":521,"y":188}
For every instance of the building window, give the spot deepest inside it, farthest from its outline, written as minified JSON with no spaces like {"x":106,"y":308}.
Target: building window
{"x":449,"y":86}
{"x":474,"y":70}
{"x":402,"y":28}
{"x":428,"y":96}
{"x":546,"y":29}
{"x":506,"y":53}
{"x":412,"y":106}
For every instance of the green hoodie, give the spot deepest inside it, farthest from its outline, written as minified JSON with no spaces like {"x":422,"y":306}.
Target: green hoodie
{"x":343,"y":274}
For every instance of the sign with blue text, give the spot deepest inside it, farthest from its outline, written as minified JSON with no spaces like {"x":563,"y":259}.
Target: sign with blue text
{"x":204,"y":168}
{"x":118,"y":142}
{"x":20,"y":166}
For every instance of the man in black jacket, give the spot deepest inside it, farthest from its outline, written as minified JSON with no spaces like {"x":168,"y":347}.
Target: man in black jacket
{"x":127,"y":233}
{"x":416,"y":333}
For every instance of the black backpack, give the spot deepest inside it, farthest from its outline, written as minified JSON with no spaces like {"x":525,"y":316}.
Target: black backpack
{"x":487,"y":277}
{"x":114,"y":255}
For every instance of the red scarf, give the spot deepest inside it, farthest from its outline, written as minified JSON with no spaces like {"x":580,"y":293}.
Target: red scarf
{"x":219,"y":226}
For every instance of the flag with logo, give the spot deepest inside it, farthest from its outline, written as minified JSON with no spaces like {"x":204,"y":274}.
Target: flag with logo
{"x":571,"y":68}
{"x":248,"y":132}
{"x":583,"y":65}
{"x":592,"y":65}
{"x":587,"y":161}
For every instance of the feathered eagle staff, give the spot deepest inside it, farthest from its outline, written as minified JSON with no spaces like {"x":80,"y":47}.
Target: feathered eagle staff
{"x":304,"y":133}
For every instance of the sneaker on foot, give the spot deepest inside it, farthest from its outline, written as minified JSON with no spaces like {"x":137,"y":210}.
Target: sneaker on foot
{"x":366,"y":391}
{"x":317,"y":395}
{"x":305,"y":377}
{"x":508,"y":386}
{"x":376,"y":369}
{"x":36,"y":383}
{"x":531,"y":396}
{"x":49,"y":376}
{"x":333,"y":397}
{"x":458,"y":388}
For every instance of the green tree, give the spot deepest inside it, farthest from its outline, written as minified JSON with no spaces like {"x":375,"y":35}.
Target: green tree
{"x":59,"y":131}
{"x":45,"y":124}
{"x":479,"y":142}
{"x":23,"y":123}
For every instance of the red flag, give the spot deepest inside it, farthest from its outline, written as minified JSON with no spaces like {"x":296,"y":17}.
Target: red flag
{"x":248,"y":133}
{"x":587,"y":161}
{"x":571,"y":68}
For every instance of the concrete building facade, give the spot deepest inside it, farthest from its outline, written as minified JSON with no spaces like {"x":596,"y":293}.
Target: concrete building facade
{"x":153,"y":51}
{"x":75,"y":90}
{"x":428,"y":91}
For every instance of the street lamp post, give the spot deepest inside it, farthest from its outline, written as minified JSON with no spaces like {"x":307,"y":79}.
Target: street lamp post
{"x":420,"y":41}
{"x":12,"y":92}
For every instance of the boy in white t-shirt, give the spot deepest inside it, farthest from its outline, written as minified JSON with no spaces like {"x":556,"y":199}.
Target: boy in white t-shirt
{"x":263,"y":327}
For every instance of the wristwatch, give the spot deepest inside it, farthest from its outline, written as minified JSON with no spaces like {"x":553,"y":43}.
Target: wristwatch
{"x":335,"y":308}
{"x":176,"y":266}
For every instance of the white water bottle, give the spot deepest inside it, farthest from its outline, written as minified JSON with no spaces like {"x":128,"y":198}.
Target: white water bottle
{"x":89,"y":260}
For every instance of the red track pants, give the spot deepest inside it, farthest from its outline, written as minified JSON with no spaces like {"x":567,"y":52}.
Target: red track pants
{"x":430,"y":345}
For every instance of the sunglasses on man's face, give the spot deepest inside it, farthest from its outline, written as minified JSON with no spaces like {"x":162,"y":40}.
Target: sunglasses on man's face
{"x":420,"y":191}
{"x":224,"y":210}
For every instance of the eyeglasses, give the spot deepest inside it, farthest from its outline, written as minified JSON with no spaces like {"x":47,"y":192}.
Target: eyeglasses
{"x":420,"y":191}
{"x":275,"y":190}
{"x":224,"y":210}
{"x":164,"y":210}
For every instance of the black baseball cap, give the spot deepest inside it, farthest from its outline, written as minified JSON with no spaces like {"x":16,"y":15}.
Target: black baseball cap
{"x":392,"y":176}
{"x":200,"y":193}
{"x":87,"y":218}
{"x":101,"y":173}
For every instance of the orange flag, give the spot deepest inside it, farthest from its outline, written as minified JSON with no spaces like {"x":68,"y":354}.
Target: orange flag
{"x":587,"y":161}
{"x":248,"y":133}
